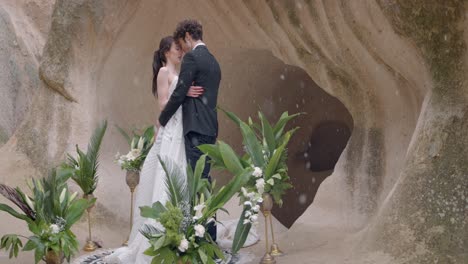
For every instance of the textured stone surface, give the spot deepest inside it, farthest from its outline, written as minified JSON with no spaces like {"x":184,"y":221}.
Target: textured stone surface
{"x":398,"y":191}
{"x":18,"y":75}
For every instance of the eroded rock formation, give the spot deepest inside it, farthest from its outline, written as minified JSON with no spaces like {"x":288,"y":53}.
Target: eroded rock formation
{"x":392,"y":73}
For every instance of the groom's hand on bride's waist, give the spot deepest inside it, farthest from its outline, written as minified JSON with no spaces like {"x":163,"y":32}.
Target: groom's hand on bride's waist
{"x":195,"y":91}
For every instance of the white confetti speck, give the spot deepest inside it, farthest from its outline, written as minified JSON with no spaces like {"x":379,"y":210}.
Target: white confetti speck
{"x":302,"y":198}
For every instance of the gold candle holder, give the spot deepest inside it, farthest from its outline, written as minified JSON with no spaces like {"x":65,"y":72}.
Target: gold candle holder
{"x":133,"y":179}
{"x":90,"y":245}
{"x":266,"y":207}
{"x":275,"y":251}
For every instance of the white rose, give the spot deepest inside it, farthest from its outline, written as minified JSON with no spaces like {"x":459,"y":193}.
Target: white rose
{"x":184,"y":244}
{"x":271,"y":181}
{"x":257,"y":172}
{"x":248,"y":214}
{"x":54,"y":229}
{"x":248,"y":203}
{"x":260,"y":184}
{"x":199,"y":230}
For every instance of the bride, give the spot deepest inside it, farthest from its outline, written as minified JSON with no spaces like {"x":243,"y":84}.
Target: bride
{"x":169,"y":142}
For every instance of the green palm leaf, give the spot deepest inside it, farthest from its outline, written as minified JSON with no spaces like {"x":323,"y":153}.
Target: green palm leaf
{"x":268,"y":134}
{"x":176,"y":186}
{"x":242,"y":231}
{"x":12,"y":243}
{"x":230,"y":159}
{"x":86,"y":164}
{"x":232,"y":116}
{"x":95,"y":143}
{"x":281,"y":124}
{"x":276,"y":158}
{"x":149,"y":132}
{"x":76,"y":210}
{"x":191,"y":182}
{"x":154,"y":211}
{"x":212,"y":150}
{"x":195,"y":183}
{"x":219,"y":199}
{"x":254,"y":148}
{"x":12,"y":212}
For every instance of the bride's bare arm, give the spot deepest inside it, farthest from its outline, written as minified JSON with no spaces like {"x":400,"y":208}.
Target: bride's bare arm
{"x":163,"y":88}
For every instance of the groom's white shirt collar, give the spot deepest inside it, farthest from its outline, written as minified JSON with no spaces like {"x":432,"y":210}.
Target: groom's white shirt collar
{"x":199,"y":44}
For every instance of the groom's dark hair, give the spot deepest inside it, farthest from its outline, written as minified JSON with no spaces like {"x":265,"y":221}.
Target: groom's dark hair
{"x":191,"y":26}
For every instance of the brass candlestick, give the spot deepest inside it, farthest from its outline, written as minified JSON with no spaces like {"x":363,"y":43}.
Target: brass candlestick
{"x":275,"y":251}
{"x":90,"y":245}
{"x":133,"y":179}
{"x":266,"y":207}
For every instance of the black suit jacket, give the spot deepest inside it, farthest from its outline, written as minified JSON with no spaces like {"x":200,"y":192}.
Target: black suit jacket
{"x":201,"y":68}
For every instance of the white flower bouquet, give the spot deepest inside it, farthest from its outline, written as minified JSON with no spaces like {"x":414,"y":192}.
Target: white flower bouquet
{"x":182,"y":236}
{"x":266,"y":156}
{"x":140,"y":145}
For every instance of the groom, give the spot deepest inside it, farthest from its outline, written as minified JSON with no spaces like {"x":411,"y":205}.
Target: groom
{"x":200,"y":68}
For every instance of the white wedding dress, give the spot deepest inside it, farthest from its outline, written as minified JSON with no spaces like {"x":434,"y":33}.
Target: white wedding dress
{"x":169,"y":143}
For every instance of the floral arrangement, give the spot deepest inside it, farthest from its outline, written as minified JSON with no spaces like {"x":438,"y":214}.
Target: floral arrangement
{"x":49,"y":213}
{"x":265,"y":148}
{"x":181,"y":234}
{"x":140,"y":145}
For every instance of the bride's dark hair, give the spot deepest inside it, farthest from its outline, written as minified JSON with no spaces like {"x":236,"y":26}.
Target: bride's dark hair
{"x":159,"y":59}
